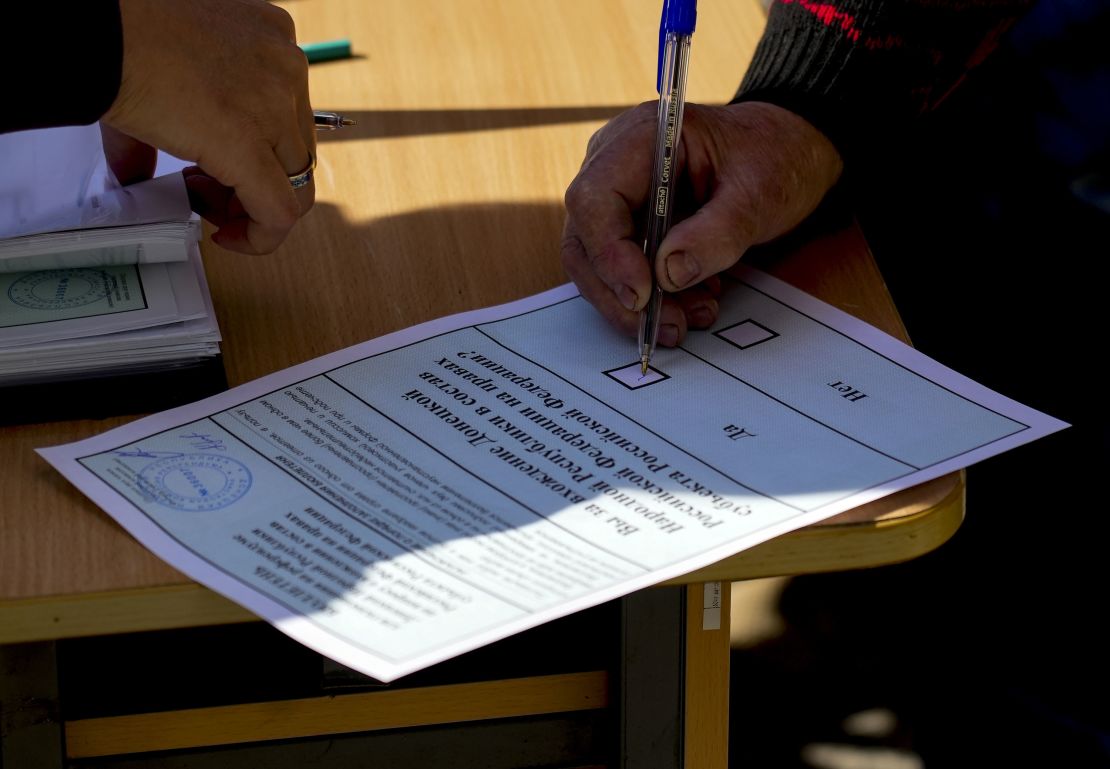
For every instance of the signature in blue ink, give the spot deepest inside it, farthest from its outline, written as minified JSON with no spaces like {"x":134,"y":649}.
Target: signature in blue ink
{"x":204,"y":442}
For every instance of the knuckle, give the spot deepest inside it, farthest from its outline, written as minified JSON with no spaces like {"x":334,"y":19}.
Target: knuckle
{"x":744,"y":229}
{"x":577,"y":194}
{"x":282,"y":21}
{"x":286,"y":62}
{"x":595,"y":142}
{"x":739,"y":222}
{"x":307,"y":199}
{"x":607,"y":257}
{"x":287,"y":214}
{"x":294,"y":63}
{"x":571,"y":250}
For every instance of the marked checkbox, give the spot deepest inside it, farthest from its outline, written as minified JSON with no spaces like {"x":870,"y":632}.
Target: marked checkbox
{"x":630,"y":376}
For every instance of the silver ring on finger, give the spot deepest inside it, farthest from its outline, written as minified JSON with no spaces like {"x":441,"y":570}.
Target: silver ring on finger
{"x":302,"y":178}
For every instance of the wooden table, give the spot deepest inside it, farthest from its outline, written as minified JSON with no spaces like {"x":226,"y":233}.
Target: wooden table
{"x":472,"y":119}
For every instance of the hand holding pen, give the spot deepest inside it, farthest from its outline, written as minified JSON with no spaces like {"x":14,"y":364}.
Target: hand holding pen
{"x":749,"y":173}
{"x":675,"y":29}
{"x":203,"y":189}
{"x":323,"y":121}
{"x":223,"y":85}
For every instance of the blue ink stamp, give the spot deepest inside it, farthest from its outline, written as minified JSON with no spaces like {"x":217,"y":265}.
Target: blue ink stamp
{"x":60,"y":289}
{"x":195,"y":482}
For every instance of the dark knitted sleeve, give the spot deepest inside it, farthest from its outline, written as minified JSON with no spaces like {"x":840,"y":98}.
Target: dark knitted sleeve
{"x":62,"y":63}
{"x":859,"y":69}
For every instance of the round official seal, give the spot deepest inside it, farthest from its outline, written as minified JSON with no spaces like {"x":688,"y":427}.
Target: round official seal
{"x":195,"y":482}
{"x":60,"y":289}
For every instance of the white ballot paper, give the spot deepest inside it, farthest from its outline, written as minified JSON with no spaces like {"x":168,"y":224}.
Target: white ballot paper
{"x":422,"y":494}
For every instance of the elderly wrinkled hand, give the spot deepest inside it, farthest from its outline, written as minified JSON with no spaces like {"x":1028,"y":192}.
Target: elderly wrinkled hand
{"x":748,"y":173}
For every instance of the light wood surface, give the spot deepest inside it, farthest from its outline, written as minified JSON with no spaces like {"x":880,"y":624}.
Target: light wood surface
{"x":473,"y":118}
{"x":707,"y":676}
{"x":317,"y":716}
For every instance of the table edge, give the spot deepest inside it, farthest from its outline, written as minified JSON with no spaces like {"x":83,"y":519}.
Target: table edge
{"x":818,"y":548}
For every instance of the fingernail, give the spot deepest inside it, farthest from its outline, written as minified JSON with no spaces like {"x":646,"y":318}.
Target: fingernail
{"x":682,"y":268}
{"x":626,"y":296}
{"x":668,"y":335}
{"x":700,"y":316}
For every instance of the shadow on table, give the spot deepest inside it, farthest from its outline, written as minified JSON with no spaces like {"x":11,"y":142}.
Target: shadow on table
{"x":385,"y":265}
{"x":384,"y":124}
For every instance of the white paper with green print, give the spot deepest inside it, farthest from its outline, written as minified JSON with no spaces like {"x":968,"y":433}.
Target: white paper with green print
{"x":49,"y":305}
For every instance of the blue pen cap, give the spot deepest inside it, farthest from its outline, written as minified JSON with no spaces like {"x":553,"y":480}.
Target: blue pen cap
{"x":679,"y":17}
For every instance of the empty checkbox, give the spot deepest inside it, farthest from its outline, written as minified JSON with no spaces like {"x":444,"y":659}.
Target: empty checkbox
{"x":745,"y":334}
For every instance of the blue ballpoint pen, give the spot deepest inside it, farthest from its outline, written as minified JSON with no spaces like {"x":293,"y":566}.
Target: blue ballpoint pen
{"x":675,"y":29}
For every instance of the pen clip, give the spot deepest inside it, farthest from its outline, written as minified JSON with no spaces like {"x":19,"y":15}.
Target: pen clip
{"x":679,"y":16}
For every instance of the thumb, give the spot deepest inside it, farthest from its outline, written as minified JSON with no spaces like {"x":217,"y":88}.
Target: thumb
{"x":130,"y":159}
{"x":705,"y":244}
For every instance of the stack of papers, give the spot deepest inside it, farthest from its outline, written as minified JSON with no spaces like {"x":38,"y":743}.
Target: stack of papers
{"x":96,"y":279}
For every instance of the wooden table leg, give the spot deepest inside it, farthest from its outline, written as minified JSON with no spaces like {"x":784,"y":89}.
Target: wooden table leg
{"x":652,"y":678}
{"x":674,"y":677}
{"x":707,"y":675}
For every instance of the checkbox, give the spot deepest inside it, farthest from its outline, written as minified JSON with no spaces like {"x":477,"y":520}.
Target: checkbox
{"x":630,"y":376}
{"x":745,"y":334}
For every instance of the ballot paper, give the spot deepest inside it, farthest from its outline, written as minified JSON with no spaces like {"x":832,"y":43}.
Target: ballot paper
{"x":422,"y":494}
{"x":96,"y":279}
{"x":80,"y":321}
{"x":60,"y":207}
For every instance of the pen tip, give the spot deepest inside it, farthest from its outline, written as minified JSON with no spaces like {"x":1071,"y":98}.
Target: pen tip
{"x":643,"y":366}
{"x":347,"y":121}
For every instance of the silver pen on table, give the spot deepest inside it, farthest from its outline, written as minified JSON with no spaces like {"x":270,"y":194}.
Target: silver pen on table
{"x":329,"y":121}
{"x":675,"y":29}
